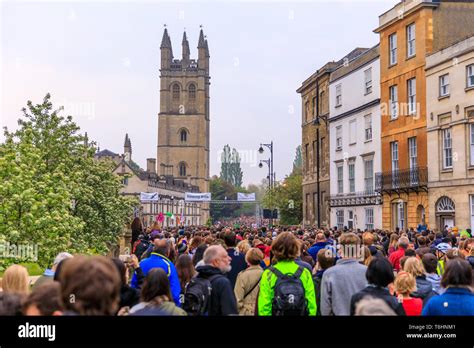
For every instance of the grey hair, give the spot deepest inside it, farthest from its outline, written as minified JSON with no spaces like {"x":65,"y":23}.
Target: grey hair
{"x":403,"y":242}
{"x":211,"y":253}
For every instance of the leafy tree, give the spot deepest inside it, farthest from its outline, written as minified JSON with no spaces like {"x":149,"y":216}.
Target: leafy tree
{"x":287,"y":198}
{"x":230,"y":167}
{"x":298,"y":161}
{"x":53,"y":193}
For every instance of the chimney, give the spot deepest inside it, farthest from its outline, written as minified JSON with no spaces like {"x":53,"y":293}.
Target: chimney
{"x":151,"y":165}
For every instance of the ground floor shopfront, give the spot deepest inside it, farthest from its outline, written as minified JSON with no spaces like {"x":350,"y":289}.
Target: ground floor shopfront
{"x":365,"y":217}
{"x":451,"y":206}
{"x":405,"y":210}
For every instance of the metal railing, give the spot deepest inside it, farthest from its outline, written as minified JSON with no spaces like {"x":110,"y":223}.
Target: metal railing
{"x":402,"y":180}
{"x":355,"y":198}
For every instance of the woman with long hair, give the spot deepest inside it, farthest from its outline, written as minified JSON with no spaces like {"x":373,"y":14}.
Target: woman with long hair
{"x":185,"y":268}
{"x":16,"y":280}
{"x":156,"y":296}
{"x":393,"y":245}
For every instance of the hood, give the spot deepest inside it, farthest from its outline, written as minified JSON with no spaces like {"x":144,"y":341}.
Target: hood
{"x":433,"y":278}
{"x":423,"y":287}
{"x":207,"y":270}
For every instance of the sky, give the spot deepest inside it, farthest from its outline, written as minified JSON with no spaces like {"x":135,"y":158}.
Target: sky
{"x":100,"y":60}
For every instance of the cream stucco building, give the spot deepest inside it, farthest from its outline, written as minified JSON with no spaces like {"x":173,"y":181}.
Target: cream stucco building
{"x":450,"y":124}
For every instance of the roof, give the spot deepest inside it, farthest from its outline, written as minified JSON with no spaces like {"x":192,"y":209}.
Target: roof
{"x":106,"y":153}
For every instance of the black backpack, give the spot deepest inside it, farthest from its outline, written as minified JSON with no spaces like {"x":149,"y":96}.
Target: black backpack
{"x":289,"y":294}
{"x":197,"y":295}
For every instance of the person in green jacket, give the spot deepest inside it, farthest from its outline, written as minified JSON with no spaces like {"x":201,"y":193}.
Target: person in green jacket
{"x":285,"y":250}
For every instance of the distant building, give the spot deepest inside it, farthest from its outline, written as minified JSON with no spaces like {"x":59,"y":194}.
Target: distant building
{"x":171,"y":190}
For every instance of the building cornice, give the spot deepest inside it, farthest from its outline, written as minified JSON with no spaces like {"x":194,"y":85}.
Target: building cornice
{"x":356,"y":110}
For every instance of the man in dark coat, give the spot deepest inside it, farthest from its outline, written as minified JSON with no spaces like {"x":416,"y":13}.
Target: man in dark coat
{"x":216,"y":264}
{"x":237,"y":262}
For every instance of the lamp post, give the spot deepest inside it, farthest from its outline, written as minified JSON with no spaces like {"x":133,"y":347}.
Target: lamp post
{"x":271,"y":173}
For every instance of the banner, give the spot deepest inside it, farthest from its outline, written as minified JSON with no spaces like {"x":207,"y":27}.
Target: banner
{"x":197,"y":197}
{"x":245,"y":197}
{"x":149,"y":197}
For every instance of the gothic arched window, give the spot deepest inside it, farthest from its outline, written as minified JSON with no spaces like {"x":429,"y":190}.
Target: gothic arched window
{"x":192,"y":91}
{"x":183,"y":135}
{"x":182,"y":169}
{"x":175,"y":91}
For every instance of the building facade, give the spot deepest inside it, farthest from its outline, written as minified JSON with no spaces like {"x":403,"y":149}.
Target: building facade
{"x":184,"y":117}
{"x":450,"y":110}
{"x":315,"y":143}
{"x":354,"y":128}
{"x":408,"y":32}
{"x":171,"y":191}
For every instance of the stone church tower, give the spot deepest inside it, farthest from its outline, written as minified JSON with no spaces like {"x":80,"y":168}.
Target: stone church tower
{"x":183,"y":121}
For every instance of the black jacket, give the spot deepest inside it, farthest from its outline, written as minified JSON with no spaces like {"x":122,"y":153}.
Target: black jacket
{"x":238,"y":265}
{"x":129,"y":296}
{"x":222,"y":301}
{"x":377,"y":292}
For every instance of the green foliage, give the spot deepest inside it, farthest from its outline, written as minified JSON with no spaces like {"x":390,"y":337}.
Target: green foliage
{"x":230,"y":167}
{"x":287,"y":198}
{"x":298,"y":161}
{"x":53,"y":193}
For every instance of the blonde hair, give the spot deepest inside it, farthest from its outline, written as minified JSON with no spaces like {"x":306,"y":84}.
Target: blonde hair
{"x":367,"y":256}
{"x":16,"y":279}
{"x":414,"y":267}
{"x":393,"y":240}
{"x":254,"y":256}
{"x":405,"y":283}
{"x":243,"y":246}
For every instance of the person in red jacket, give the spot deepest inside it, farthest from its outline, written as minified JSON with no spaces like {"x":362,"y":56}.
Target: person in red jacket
{"x":405,"y":284}
{"x":395,"y":257}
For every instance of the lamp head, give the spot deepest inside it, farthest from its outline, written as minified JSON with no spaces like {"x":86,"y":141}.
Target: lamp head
{"x":260,"y":165}
{"x":260,"y":150}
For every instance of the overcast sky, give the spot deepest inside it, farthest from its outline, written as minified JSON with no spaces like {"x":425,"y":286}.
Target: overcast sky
{"x":101,"y":59}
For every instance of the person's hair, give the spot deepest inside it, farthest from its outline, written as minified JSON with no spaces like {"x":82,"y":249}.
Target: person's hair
{"x":46,"y":298}
{"x":196,"y":241}
{"x":414,"y":266}
{"x":212,"y":253}
{"x":430,"y":262}
{"x":367,"y":255}
{"x":185,"y":269}
{"x":254,"y":256}
{"x":373,"y":306}
{"x":421,"y":240}
{"x":11,"y":303}
{"x":285,"y":247}
{"x":349,"y":239}
{"x":350,"y":245}
{"x":229,"y":239}
{"x":121,"y":269}
{"x":403,"y":242}
{"x":403,"y":260}
{"x":379,"y":272}
{"x":162,"y":247}
{"x":199,"y":253}
{"x":405,"y":283}
{"x":320,"y":237}
{"x":368,"y":238}
{"x":90,"y":286}
{"x":410,"y":252}
{"x":156,"y":287}
{"x":454,"y":253}
{"x":16,"y":279}
{"x":137,"y":225}
{"x":326,"y":258}
{"x":458,"y":273}
{"x":393,"y":240}
{"x":243,"y":246}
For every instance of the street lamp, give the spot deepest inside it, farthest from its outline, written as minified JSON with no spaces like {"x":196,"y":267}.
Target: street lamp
{"x":271,"y":173}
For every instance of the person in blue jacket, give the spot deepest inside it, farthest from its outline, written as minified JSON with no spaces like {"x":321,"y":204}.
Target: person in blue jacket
{"x":159,"y":259}
{"x":321,"y":243}
{"x":458,"y":299}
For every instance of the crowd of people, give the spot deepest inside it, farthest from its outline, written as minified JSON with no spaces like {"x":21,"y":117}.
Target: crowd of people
{"x":245,"y":270}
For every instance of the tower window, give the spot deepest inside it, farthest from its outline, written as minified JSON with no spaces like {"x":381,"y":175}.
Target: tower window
{"x":182,"y":169}
{"x":175,"y":91}
{"x":183,"y":136}
{"x":192,"y":91}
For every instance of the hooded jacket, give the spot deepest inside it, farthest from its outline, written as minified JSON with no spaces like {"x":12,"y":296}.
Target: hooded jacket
{"x":455,"y":301}
{"x":222,"y":301}
{"x":424,"y":289}
{"x":435,"y":280}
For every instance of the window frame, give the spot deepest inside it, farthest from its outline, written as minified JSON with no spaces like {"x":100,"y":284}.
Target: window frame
{"x":368,"y":80}
{"x":392,"y":49}
{"x":411,"y":96}
{"x":441,"y":85}
{"x":393,"y":92}
{"x":351,"y":176}
{"x":369,"y":219}
{"x":368,"y":127}
{"x":447,"y":138}
{"x":470,"y":76}
{"x":353,"y":131}
{"x":411,"y":41}
{"x":340,"y":178}
{"x":338,"y":95}
{"x":369,"y":175}
{"x":339,"y":138}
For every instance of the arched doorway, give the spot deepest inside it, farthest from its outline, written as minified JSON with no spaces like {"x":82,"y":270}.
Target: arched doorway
{"x":445,"y":213}
{"x":420,"y":215}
